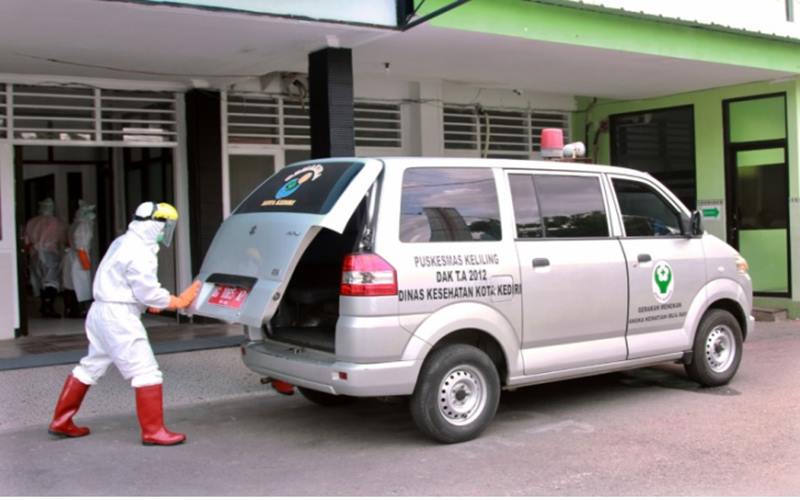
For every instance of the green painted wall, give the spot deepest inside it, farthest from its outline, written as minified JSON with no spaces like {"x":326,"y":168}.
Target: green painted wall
{"x":536,"y":21}
{"x":710,"y":160}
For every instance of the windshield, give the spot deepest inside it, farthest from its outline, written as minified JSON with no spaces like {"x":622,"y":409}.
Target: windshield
{"x":302,"y":188}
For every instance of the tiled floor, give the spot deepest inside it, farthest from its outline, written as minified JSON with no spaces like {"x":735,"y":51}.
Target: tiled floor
{"x":47,"y":350}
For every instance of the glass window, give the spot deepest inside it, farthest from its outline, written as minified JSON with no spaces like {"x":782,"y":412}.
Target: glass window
{"x":449,"y":204}
{"x":572,"y":206}
{"x":526,"y":207}
{"x":644,"y":211}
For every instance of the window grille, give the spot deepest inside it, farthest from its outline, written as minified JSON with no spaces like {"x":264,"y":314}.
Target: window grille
{"x":53,"y":113}
{"x":279,"y":120}
{"x":46,"y":113}
{"x":377,"y":125}
{"x":133,"y":116}
{"x":498,"y":133}
{"x":253,"y":119}
{"x":3,"y":117}
{"x":296,"y":123}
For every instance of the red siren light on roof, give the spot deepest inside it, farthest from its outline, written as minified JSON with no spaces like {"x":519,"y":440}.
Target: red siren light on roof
{"x":552,"y":143}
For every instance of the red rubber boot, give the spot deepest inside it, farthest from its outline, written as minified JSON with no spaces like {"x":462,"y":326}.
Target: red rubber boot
{"x":150,"y":410}
{"x":67,"y":406}
{"x":283,"y":387}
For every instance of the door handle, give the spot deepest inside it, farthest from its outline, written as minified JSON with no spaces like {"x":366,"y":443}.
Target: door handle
{"x":541,"y":262}
{"x":644,"y":257}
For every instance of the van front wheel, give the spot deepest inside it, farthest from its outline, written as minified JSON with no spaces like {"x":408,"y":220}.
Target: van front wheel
{"x":456,"y":395}
{"x":717,"y":349}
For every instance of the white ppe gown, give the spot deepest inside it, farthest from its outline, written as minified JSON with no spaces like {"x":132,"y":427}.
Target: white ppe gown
{"x":125,"y":285}
{"x":75,"y":277}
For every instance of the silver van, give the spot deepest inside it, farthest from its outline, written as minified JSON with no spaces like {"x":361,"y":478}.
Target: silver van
{"x":449,"y":279}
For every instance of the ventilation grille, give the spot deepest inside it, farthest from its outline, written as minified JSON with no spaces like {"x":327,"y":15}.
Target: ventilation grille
{"x":60,"y":113}
{"x":133,"y":116}
{"x":496,"y":133}
{"x":253,"y":119}
{"x":377,"y":125}
{"x":278,"y":120}
{"x":3,"y":117}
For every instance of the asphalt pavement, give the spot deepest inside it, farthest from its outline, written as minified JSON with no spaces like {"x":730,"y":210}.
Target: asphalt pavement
{"x":641,"y":432}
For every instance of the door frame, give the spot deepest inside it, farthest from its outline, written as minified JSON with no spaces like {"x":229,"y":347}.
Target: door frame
{"x":277,"y":154}
{"x":730,"y":150}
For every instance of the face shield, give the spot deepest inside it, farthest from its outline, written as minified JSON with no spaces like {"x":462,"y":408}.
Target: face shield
{"x":165,"y":238}
{"x":162,"y":213}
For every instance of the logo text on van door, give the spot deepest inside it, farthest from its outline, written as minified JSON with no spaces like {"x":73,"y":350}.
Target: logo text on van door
{"x":663,"y":283}
{"x":294,"y":182}
{"x":469,"y":277}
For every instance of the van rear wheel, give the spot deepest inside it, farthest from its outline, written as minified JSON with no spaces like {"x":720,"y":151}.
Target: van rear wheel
{"x":325,"y":399}
{"x":717,"y":349}
{"x":457,"y":394}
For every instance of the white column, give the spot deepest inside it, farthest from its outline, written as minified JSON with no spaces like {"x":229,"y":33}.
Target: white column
{"x":9,"y":299}
{"x":425,"y":122}
{"x":181,"y":175}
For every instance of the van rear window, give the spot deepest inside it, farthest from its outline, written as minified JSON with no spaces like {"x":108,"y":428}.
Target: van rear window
{"x":305,"y":188}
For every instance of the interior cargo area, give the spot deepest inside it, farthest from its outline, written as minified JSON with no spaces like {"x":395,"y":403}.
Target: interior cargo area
{"x":309,"y":310}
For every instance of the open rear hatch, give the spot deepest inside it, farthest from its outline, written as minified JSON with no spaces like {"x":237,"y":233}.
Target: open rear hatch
{"x":252,"y":257}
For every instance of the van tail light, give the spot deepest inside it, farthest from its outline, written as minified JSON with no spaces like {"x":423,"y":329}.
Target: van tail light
{"x":367,"y":275}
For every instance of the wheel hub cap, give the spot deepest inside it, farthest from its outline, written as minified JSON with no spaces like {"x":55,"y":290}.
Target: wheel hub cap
{"x":462,"y":395}
{"x":720,"y":349}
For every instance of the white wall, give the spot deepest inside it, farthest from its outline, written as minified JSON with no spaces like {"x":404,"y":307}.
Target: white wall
{"x":767,"y":16}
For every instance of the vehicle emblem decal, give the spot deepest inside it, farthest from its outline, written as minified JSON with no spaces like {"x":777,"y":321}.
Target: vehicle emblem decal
{"x":294,"y":181}
{"x":663,"y":281}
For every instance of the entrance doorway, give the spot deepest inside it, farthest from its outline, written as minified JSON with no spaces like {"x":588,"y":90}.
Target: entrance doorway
{"x":112,"y":179}
{"x":757,"y":182}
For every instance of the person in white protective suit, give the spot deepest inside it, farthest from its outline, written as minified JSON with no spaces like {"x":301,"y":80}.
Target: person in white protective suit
{"x":45,"y":236}
{"x":77,"y":269}
{"x":125,"y":286}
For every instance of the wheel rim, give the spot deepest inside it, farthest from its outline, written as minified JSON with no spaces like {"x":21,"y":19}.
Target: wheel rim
{"x":462,"y":395}
{"x":720,"y":348}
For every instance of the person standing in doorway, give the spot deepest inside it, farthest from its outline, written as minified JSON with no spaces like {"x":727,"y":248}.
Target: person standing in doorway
{"x":77,"y":276}
{"x":125,"y":286}
{"x":45,"y":236}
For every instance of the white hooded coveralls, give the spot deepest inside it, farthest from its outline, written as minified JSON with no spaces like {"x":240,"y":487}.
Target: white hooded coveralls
{"x":126,"y":284}
{"x":80,"y":238}
{"x":46,"y":235}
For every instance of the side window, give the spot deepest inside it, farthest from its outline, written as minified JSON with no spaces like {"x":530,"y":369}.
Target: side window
{"x":571,"y":206}
{"x":644,"y":211}
{"x":449,"y":204}
{"x":526,"y":207}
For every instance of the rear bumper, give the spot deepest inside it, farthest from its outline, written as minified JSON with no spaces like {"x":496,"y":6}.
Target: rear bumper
{"x":322,"y":372}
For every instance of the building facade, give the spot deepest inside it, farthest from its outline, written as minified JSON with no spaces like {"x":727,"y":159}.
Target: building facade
{"x":197,"y":101}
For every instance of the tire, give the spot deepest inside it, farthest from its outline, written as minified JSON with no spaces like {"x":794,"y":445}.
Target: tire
{"x":457,"y":393}
{"x":325,"y":399}
{"x":717,"y":349}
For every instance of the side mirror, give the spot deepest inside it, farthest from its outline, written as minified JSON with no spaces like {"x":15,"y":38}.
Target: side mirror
{"x":696,"y":226}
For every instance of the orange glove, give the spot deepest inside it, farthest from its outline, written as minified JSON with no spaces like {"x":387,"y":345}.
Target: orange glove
{"x":84,"y":258}
{"x":186,"y":297}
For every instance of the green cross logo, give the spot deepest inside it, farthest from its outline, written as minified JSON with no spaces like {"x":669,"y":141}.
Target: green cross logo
{"x":663,"y":281}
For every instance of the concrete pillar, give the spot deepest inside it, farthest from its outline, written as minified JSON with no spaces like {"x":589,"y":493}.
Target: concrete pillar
{"x":204,"y":157}
{"x":330,"y":80}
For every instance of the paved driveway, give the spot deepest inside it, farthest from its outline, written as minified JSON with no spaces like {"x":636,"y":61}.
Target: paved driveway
{"x":642,"y":432}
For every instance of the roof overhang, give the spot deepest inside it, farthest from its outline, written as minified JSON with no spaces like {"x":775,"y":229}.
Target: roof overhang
{"x":120,"y":40}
